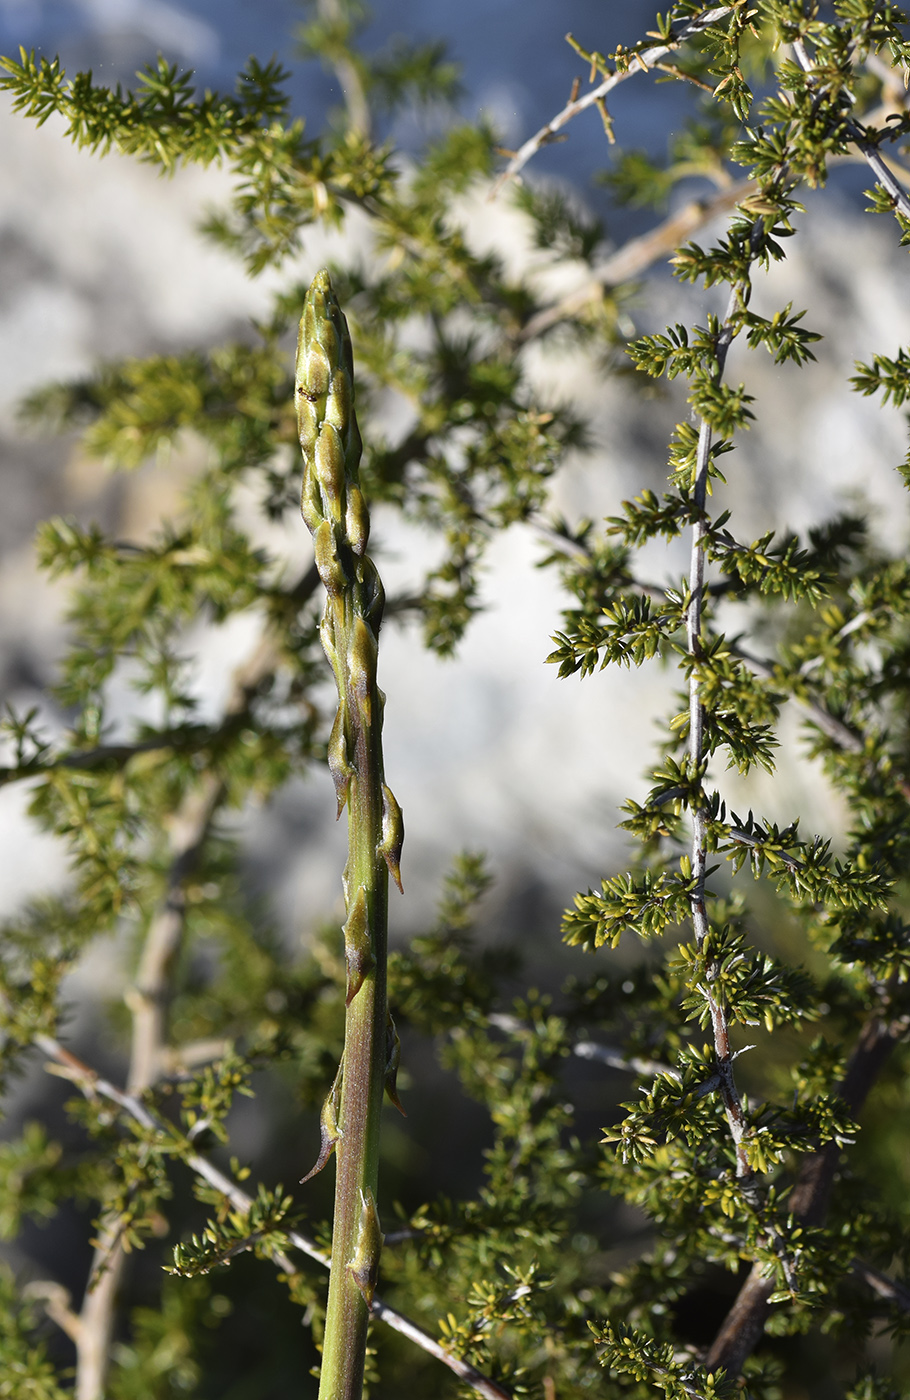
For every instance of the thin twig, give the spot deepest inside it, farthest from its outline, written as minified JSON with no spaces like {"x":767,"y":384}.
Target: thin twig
{"x":184,"y":738}
{"x":609,"y":1055}
{"x":638,"y":63}
{"x":744,"y":838}
{"x":615,"y":1059}
{"x":842,"y":734}
{"x":590,"y":1049}
{"x":850,"y":740}
{"x":57,"y":1302}
{"x":846,"y":738}
{"x":892,"y":1290}
{"x":178,"y":1060}
{"x":95,"y":1085}
{"x":733,"y":1105}
{"x":867,"y":148}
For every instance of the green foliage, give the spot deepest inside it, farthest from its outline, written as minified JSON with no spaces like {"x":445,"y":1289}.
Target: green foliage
{"x":159,"y":1360}
{"x":27,"y":1370}
{"x":584,"y":1223}
{"x":162,"y":122}
{"x":29,"y":1180}
{"x":644,"y":1360}
{"x":233,"y":1231}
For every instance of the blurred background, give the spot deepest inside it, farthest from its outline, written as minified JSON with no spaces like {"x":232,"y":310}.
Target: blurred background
{"x":489,"y":750}
{"x":101,"y":258}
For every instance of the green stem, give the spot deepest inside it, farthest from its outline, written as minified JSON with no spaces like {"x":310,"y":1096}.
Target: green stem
{"x":334,"y":509}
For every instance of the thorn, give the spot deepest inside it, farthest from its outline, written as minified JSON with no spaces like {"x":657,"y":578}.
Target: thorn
{"x":329,"y":1131}
{"x":393,"y":1060}
{"x":358,"y":945}
{"x":326,"y":1149}
{"x":392,"y":835}
{"x":364,"y":1267}
{"x":339,"y":766}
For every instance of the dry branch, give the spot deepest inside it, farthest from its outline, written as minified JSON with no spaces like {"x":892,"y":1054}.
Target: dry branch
{"x":94,"y":1085}
{"x":639,"y":63}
